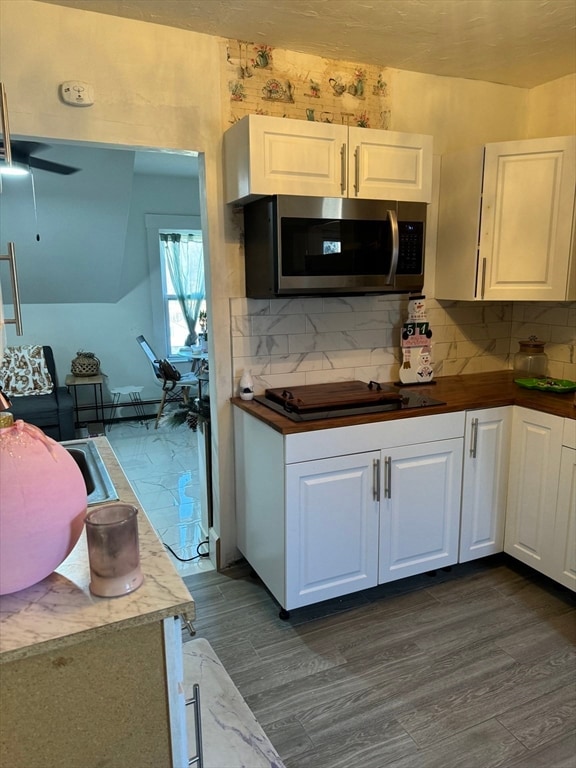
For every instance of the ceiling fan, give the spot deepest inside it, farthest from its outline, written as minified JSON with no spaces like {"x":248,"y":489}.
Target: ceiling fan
{"x":24,"y":152}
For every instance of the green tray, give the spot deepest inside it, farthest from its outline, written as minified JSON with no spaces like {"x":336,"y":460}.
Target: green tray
{"x":548,"y":385}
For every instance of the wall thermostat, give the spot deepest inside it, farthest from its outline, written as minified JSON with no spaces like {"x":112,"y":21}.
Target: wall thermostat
{"x":77,"y":94}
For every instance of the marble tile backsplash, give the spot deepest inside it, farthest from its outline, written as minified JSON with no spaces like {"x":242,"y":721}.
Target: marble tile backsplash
{"x":298,"y":341}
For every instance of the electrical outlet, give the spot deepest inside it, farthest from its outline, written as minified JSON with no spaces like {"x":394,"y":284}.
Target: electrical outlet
{"x":77,"y":94}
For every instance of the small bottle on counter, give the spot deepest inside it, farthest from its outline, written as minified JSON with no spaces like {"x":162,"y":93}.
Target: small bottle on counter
{"x":246,"y":386}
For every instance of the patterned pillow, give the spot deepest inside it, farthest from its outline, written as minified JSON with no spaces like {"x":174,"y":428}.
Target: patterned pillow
{"x":24,"y":371}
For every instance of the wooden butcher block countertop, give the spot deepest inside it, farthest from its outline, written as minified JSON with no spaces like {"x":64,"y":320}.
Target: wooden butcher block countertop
{"x":460,"y":393}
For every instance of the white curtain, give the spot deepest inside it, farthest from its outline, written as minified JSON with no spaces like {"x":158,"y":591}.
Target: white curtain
{"x":185,"y":262}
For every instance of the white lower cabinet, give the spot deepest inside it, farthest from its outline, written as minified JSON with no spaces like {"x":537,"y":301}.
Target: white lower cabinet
{"x":540,"y":520}
{"x":485,"y":482}
{"x":172,"y":633}
{"x":325,"y":513}
{"x":420,"y":508}
{"x":331,"y":527}
{"x":353,"y":522}
{"x":533,"y":486}
{"x":563,"y":560}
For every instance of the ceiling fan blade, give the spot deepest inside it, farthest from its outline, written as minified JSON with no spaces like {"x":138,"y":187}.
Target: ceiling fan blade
{"x":23,"y":152}
{"x":46,"y":165}
{"x":28,"y":147}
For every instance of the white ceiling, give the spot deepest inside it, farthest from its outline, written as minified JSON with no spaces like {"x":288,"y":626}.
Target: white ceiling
{"x":516,"y":42}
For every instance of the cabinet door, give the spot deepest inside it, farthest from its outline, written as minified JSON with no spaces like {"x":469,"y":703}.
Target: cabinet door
{"x":526,"y":221}
{"x":485,"y":482}
{"x":275,"y":156}
{"x":331,"y":527}
{"x":176,"y":700}
{"x":533,"y":486}
{"x":458,"y":221}
{"x":387,"y":165}
{"x":420,"y":512}
{"x":563,"y":556}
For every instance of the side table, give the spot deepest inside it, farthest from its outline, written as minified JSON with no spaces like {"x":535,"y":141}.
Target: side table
{"x":96,"y":383}
{"x":135,"y":401}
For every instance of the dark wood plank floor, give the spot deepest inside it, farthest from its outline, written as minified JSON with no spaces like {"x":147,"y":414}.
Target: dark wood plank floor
{"x":472,"y":668}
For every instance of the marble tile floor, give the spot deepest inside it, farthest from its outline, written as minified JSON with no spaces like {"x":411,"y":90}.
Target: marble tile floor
{"x":162,"y":468}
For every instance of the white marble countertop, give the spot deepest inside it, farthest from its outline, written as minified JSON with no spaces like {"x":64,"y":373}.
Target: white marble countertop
{"x":61,"y":610}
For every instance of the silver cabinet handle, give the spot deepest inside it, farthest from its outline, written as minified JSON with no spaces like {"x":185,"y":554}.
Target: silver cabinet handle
{"x":483,"y":278}
{"x":387,"y":477}
{"x":184,"y":619}
{"x":343,"y":169}
{"x":376,"y":480}
{"x":474,"y":438}
{"x":17,"y":319}
{"x":357,"y":171}
{"x":395,"y":246}
{"x":198,"y":758}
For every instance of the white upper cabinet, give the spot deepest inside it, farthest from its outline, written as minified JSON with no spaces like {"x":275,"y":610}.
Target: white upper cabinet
{"x":387,"y":165}
{"x":278,"y":156}
{"x":506,"y":220}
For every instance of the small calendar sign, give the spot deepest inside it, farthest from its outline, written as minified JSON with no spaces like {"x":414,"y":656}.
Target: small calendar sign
{"x":416,"y":364}
{"x":416,"y":334}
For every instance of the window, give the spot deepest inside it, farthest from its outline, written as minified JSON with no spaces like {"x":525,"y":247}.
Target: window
{"x":182,"y":272}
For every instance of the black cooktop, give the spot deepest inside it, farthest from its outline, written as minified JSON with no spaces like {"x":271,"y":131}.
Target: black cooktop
{"x":409,"y":399}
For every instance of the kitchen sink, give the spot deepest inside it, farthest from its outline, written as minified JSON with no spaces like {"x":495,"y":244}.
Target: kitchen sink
{"x":99,"y":485}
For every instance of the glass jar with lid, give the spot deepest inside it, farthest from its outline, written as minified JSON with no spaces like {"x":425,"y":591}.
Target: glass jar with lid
{"x":531,"y":360}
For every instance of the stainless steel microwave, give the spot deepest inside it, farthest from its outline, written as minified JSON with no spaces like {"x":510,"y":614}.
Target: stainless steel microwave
{"x":318,"y":246}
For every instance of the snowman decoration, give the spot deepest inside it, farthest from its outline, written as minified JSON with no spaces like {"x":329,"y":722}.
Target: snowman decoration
{"x":416,"y":365}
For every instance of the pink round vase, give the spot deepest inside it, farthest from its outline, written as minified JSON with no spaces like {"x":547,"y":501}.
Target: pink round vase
{"x":42,"y":506}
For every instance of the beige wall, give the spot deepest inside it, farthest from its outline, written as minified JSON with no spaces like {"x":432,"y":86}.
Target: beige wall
{"x":160,"y":87}
{"x":458,"y":113}
{"x":552,"y":109}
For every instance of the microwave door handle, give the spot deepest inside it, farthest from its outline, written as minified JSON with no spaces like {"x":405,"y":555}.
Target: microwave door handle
{"x":395,"y":247}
